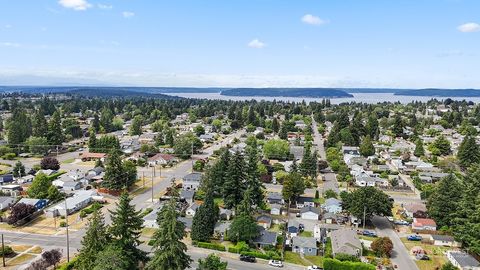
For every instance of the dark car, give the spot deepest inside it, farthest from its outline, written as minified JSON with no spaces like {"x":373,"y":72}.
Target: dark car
{"x":422,"y":257}
{"x":414,"y":238}
{"x":246,"y":258}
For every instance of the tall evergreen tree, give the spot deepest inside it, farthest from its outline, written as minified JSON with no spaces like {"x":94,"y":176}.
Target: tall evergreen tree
{"x":419,"y":151}
{"x":115,"y":177}
{"x":372,"y":126}
{"x":443,"y":204}
{"x":92,"y":140}
{"x":19,"y":127}
{"x":366,"y":147}
{"x":234,"y":185}
{"x":397,"y":127}
{"x":357,"y":128}
{"x":254,"y":185}
{"x":126,"y":228}
{"x":205,"y":219}
{"x":94,"y":241}
{"x":96,"y":123}
{"x":468,"y":152}
{"x":275,"y":125}
{"x":169,"y":252}
{"x":39,"y":124}
{"x":55,"y":132}
{"x":112,"y":258}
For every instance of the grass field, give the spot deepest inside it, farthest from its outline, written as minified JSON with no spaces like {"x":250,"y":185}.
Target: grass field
{"x":436,"y":254}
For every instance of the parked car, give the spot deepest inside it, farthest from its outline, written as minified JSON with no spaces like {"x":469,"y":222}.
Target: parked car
{"x":390,"y":219}
{"x":414,"y":237}
{"x":314,"y":267}
{"x":298,"y":214}
{"x":422,"y":257}
{"x":370,"y":233}
{"x":275,"y":263}
{"x":246,"y":258}
{"x":401,"y":222}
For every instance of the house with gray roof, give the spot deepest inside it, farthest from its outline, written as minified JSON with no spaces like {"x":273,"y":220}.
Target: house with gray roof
{"x":304,"y":245}
{"x":345,"y":241}
{"x":6,"y":202}
{"x":192,"y":181}
{"x":310,"y":213}
{"x":332,"y":205}
{"x":265,"y":238}
{"x":463,"y":261}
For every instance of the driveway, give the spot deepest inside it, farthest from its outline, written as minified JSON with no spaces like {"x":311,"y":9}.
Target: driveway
{"x":401,"y":255}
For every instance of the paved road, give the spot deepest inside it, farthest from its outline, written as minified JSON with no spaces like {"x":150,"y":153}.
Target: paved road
{"x":330,"y":178}
{"x":400,"y":256}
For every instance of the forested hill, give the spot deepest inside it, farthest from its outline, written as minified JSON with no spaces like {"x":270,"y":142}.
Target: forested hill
{"x":434,"y":92}
{"x":115,"y":92}
{"x":287,"y":92}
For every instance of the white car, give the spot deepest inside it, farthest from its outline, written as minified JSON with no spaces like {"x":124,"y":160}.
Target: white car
{"x":314,"y":267}
{"x":275,"y":263}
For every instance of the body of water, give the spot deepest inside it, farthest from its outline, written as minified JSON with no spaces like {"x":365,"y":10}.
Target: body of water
{"x":357,"y":97}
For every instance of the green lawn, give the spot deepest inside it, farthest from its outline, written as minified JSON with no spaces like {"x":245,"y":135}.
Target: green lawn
{"x":315,"y":260}
{"x":306,"y":234}
{"x":295,"y":258}
{"x":68,"y":161}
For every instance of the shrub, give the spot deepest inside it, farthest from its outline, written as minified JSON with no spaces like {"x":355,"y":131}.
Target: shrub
{"x":8,"y":251}
{"x":63,"y":224}
{"x":271,"y":255}
{"x":233,"y":250}
{"x":211,"y":246}
{"x":9,"y":156}
{"x":333,"y":264}
{"x":49,"y":163}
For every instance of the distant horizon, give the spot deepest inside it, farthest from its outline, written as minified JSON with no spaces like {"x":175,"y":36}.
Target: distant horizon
{"x":270,"y":43}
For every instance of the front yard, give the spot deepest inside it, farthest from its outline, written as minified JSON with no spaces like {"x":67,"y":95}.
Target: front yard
{"x":436,"y":254}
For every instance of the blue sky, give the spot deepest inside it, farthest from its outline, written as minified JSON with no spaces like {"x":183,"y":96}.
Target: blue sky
{"x":339,"y":43}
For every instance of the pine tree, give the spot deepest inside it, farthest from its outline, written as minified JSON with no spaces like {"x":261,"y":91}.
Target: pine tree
{"x":94,"y":241}
{"x":357,"y":129}
{"x":92,"y":141}
{"x":443,"y":204}
{"x":169,"y":252}
{"x":126,"y":228}
{"x":254,"y":186}
{"x":372,"y":126}
{"x":243,"y":228}
{"x":419,"y":151}
{"x":106,"y":120}
{"x":55,"y":132}
{"x":112,"y":258}
{"x":306,"y":161}
{"x":205,"y":219}
{"x":234,"y":185}
{"x":18,"y":127}
{"x":115,"y":177}
{"x":366,"y":147}
{"x":96,"y":123}
{"x":39,"y":124}
{"x":468,"y":152}
{"x":397,"y":127}
{"x":275,"y":125}
{"x":19,"y":169}
{"x":136,"y":127}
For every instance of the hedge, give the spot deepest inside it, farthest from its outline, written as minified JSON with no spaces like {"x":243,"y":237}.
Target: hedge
{"x":333,"y":264}
{"x":233,"y":250}
{"x":261,"y":255}
{"x":68,"y":265}
{"x":211,"y":246}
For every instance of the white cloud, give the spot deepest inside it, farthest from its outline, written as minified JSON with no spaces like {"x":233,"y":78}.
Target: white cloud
{"x":7,"y":26}
{"x":75,"y":4}
{"x":257,"y":44}
{"x":128,"y":14}
{"x":313,"y":20}
{"x":103,"y":6}
{"x":10,"y":44}
{"x":469,"y":27}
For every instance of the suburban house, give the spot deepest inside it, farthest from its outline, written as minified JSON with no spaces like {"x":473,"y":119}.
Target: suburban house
{"x":25,"y":179}
{"x":161,"y":159}
{"x":192,"y":209}
{"x":345,"y":241}
{"x":275,"y":198}
{"x":207,"y":137}
{"x":444,"y":240}
{"x":265,"y":239}
{"x":304,"y":245}
{"x":332,"y":205}
{"x":293,"y":228}
{"x":264,"y":221}
{"x":72,"y":186}
{"x":310,"y":213}
{"x":412,"y":210}
{"x":87,"y":156}
{"x":150,"y":220}
{"x":303,"y":201}
{"x":73,"y":204}
{"x":221,"y":229}
{"x":463,"y":261}
{"x":6,"y":202}
{"x":192,"y":181}
{"x":6,"y":178}
{"x":424,"y":224}
{"x":330,"y":218}
{"x":38,"y":203}
{"x":275,"y":209}
{"x":187,"y":196}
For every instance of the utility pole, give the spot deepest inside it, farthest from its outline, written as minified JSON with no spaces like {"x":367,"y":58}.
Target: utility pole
{"x":66,"y":222}
{"x":143,"y":178}
{"x":3,"y":252}
{"x":364,"y":212}
{"x":192,"y":157}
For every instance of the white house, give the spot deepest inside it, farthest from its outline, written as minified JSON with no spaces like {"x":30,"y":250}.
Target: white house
{"x":332,"y":205}
{"x":192,"y":181}
{"x":444,"y":240}
{"x":192,"y":209}
{"x":6,"y":202}
{"x":310,"y":213}
{"x":424,"y":224}
{"x":275,"y":209}
{"x":303,"y":201}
